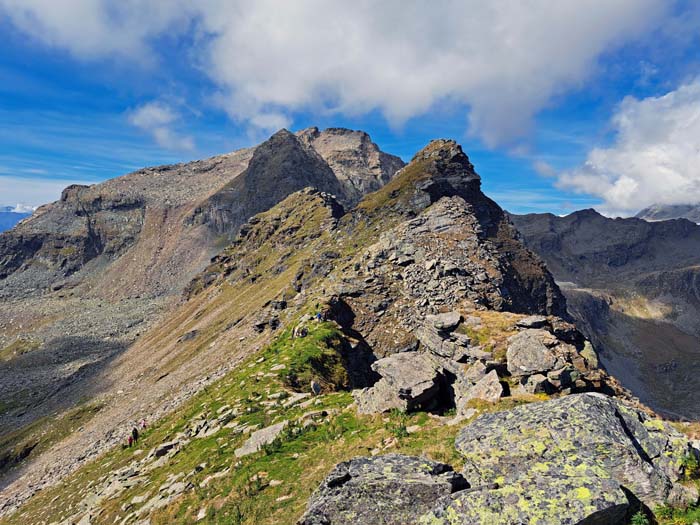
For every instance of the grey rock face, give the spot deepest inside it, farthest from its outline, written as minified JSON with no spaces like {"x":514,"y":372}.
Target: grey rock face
{"x":410,"y":380}
{"x":661,"y":212}
{"x":391,"y":489}
{"x":579,"y":460}
{"x":528,"y":354}
{"x":358,"y":163}
{"x":260,"y":438}
{"x":605,"y":264}
{"x":488,"y":388}
{"x":584,"y":502}
{"x":280,"y":166}
{"x":447,"y":321}
{"x":572,"y":443}
{"x":533,"y":321}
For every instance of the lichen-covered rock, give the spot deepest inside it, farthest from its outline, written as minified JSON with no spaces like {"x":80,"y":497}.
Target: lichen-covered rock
{"x":392,"y":490}
{"x":572,"y":442}
{"x":409,"y":381}
{"x":594,"y":501}
{"x":528,"y":354}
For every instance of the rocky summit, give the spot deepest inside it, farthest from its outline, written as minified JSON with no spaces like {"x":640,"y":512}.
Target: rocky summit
{"x":311,"y":332}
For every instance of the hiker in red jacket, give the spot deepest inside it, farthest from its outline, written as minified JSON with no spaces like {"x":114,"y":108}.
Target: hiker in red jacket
{"x":131,"y":441}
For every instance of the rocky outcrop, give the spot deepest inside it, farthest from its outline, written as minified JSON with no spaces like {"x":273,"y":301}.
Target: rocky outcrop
{"x":358,"y":163}
{"x":392,"y":489}
{"x":409,"y":381}
{"x":260,"y":438}
{"x":567,"y":443}
{"x":280,"y":166}
{"x":580,"y":459}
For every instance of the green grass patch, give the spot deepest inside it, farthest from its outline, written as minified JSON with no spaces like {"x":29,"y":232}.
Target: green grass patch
{"x":315,"y":357}
{"x":17,"y":348}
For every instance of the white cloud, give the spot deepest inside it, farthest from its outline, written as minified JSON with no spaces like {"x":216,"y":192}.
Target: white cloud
{"x":157,"y":119}
{"x":655,"y":157}
{"x":96,"y":28}
{"x":23,"y":208}
{"x":506,"y":60}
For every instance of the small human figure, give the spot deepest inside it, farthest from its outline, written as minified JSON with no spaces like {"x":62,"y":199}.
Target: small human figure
{"x":143,"y":424}
{"x":319,"y":317}
{"x":131,"y":441}
{"x":135,"y":434}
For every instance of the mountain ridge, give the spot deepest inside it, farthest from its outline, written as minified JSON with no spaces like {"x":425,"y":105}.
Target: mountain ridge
{"x":630,"y":284}
{"x":346,"y":339}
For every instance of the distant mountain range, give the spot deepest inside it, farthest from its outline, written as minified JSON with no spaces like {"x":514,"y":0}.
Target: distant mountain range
{"x":11,"y":215}
{"x":663,"y":212}
{"x":632,"y":286}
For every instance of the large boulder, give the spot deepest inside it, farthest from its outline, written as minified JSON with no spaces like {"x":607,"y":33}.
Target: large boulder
{"x":488,"y":388}
{"x":446,"y":321}
{"x":409,"y":381}
{"x":392,"y":490}
{"x":571,"y":444}
{"x":576,"y":501}
{"x":529,"y":353}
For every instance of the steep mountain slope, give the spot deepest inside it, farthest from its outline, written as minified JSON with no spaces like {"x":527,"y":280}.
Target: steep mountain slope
{"x":361,"y":167}
{"x":425,"y":275}
{"x":84,"y":277}
{"x":664,"y":212}
{"x":631,"y":284}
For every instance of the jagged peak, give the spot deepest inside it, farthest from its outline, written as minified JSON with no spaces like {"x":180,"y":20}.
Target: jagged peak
{"x":447,"y":156}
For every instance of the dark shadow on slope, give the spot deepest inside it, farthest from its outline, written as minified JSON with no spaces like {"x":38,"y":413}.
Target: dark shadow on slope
{"x":38,"y":388}
{"x":653,"y":359}
{"x":358,"y":356}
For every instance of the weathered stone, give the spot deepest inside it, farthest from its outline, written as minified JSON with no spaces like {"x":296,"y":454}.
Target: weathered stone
{"x":575,"y":501}
{"x":260,"y":438}
{"x":446,"y":322}
{"x":391,"y":489}
{"x":164,"y":448}
{"x":527,"y":353}
{"x":410,"y":380}
{"x":536,"y":384}
{"x":590,"y":355}
{"x":533,"y":321}
{"x":438,"y":343}
{"x":475,"y":372}
{"x":488,"y":388}
{"x":585,"y":437}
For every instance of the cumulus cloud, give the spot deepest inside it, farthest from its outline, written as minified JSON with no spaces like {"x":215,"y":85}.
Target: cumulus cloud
{"x":504,"y":60}
{"x":655,"y":156}
{"x":96,"y":28}
{"x":157,"y":119}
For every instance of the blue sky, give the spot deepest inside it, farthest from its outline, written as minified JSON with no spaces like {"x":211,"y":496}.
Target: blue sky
{"x":559,"y":108}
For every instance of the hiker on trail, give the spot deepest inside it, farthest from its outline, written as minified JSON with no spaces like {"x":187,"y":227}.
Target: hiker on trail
{"x":143,"y":424}
{"x":135,"y":434}
{"x":319,"y":317}
{"x":131,"y":441}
